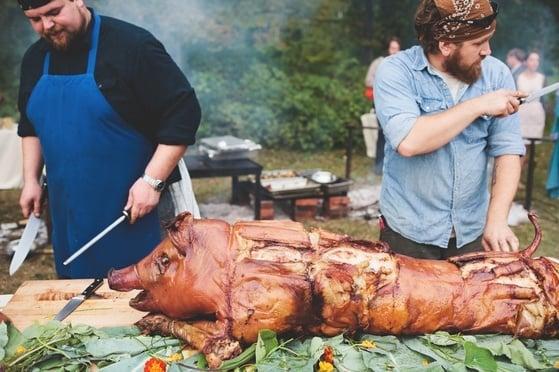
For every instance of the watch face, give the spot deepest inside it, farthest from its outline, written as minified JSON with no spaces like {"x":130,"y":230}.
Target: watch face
{"x":160,"y":186}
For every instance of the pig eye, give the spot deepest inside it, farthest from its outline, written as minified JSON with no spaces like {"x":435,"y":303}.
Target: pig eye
{"x":165,"y":261}
{"x":162,"y":263}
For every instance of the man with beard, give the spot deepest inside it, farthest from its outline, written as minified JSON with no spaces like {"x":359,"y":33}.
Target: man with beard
{"x":110,"y":114}
{"x":446,"y":107}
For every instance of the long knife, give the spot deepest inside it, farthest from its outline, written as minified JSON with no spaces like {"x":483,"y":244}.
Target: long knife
{"x":78,"y":300}
{"x":28,"y":236}
{"x":539,"y":93}
{"x":118,"y":221}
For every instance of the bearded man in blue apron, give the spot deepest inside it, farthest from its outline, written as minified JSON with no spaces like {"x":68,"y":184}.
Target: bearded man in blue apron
{"x":108,"y":112}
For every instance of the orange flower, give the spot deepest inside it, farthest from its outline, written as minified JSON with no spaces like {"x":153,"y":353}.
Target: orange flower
{"x":155,"y":365}
{"x":328,"y":355}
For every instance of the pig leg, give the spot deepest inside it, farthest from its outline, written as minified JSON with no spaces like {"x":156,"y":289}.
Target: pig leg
{"x":207,"y":336}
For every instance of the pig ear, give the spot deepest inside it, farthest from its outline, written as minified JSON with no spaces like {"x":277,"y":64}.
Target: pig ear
{"x":179,"y":231}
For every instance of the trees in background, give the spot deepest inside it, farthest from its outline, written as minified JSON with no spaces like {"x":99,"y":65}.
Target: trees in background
{"x":287,"y":73}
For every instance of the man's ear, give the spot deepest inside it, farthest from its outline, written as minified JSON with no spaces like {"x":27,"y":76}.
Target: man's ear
{"x":446,"y":47}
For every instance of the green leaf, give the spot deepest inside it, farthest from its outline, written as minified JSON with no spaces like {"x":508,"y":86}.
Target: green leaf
{"x":442,"y":339}
{"x":266,"y":342}
{"x":102,"y":348}
{"x":479,"y":358}
{"x":3,"y":339}
{"x":15,"y":339}
{"x":519,"y":354}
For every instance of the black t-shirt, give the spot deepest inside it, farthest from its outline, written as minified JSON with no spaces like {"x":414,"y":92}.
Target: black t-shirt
{"x":135,"y":74}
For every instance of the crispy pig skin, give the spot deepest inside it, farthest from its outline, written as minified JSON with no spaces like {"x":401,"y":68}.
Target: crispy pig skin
{"x":215,"y":281}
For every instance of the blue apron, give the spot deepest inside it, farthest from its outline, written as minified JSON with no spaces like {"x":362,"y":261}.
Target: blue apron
{"x":92,"y":157}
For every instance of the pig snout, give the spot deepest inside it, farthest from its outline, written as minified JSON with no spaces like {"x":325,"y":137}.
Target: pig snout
{"x":125,"y":279}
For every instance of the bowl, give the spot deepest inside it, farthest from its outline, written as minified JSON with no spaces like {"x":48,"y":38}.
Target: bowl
{"x":323,"y":177}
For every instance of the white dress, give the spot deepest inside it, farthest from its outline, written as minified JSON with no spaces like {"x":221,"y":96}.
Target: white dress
{"x":532,"y":115}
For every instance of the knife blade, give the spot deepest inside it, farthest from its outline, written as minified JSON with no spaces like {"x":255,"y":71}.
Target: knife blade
{"x":29,"y":234}
{"x":118,"y":221}
{"x":78,"y":300}
{"x":24,"y":245}
{"x":539,"y":93}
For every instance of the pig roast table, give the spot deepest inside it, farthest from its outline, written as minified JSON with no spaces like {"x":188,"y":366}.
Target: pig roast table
{"x":201,"y":167}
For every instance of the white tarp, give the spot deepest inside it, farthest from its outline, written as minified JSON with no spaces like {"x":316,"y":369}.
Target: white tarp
{"x":11,"y":163}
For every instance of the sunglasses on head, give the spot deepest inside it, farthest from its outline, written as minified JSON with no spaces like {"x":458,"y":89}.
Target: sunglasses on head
{"x":482,"y":22}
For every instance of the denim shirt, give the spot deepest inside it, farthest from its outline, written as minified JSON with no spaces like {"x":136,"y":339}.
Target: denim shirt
{"x":425,"y":196}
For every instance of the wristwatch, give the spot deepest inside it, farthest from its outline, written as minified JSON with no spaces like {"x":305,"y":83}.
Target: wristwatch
{"x":157,"y":185}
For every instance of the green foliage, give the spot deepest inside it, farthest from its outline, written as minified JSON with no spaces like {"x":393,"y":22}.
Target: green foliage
{"x":287,"y":73}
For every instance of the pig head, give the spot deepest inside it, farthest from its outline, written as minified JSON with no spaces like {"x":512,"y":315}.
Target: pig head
{"x":186,"y":274}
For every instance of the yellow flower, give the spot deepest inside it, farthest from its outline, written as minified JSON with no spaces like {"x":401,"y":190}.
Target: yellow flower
{"x":556,"y":364}
{"x":425,"y":362}
{"x":20,"y":350}
{"x":368,"y":344}
{"x":325,"y":367}
{"x":174,"y":358}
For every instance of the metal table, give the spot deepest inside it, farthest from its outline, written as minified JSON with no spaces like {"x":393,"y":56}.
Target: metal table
{"x":201,"y":167}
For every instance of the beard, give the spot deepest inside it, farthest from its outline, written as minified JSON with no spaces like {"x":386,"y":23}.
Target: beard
{"x":467,"y":74}
{"x":61,"y":39}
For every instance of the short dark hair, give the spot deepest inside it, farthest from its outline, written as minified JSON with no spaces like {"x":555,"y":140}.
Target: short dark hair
{"x":391,"y":39}
{"x":426,"y":16}
{"x":517,"y":53}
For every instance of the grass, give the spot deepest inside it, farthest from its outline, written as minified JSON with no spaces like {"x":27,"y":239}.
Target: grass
{"x":40,"y":266}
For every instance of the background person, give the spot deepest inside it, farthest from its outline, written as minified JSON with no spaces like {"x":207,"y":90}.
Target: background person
{"x":532,"y":114}
{"x":393,"y":47}
{"x":515,"y":60}
{"x":107,"y":110}
{"x":441,"y":131}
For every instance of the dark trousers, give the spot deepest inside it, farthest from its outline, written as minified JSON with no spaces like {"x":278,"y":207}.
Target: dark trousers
{"x":402,"y":245}
{"x":379,"y":156}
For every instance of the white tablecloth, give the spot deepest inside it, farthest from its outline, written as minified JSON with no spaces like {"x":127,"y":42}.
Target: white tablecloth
{"x":11,"y":176}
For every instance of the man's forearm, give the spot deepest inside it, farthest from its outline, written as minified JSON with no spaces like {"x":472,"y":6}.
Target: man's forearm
{"x":505,"y":182}
{"x":164,"y":160}
{"x":431,"y":132}
{"x":32,"y":159}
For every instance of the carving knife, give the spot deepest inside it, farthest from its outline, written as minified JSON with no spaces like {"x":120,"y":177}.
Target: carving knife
{"x":78,"y":300}
{"x":539,"y":93}
{"x":28,"y":236}
{"x":118,"y":221}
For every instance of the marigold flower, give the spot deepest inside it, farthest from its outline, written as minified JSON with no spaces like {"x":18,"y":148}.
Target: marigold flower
{"x":155,"y":365}
{"x":20,"y":350}
{"x":328,"y":355}
{"x":556,"y":364}
{"x":368,"y":344}
{"x":325,"y":367}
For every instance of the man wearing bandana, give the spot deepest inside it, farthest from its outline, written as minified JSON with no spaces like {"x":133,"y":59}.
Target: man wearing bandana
{"x":446,"y":107}
{"x":110,"y":114}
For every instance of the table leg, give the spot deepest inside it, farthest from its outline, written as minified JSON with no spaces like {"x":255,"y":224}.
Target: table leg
{"x":234,"y":190}
{"x":257,"y":197}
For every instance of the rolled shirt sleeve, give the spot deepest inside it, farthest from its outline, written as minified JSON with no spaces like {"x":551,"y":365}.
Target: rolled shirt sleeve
{"x":395,"y":102}
{"x":505,"y":136}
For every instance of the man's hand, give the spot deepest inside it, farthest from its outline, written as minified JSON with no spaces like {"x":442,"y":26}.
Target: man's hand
{"x":501,"y":102}
{"x":30,"y":199}
{"x":142,"y":198}
{"x":500,"y":238}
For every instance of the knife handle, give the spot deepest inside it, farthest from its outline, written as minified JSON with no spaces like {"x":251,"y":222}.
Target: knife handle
{"x":92,"y":287}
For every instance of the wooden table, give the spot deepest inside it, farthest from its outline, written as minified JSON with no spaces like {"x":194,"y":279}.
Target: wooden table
{"x":40,"y":300}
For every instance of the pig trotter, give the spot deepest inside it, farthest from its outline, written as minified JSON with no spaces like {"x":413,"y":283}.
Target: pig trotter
{"x":208,"y":337}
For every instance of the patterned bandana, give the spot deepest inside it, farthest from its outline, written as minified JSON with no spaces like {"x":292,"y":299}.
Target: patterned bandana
{"x":32,"y":4}
{"x":464,"y":20}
